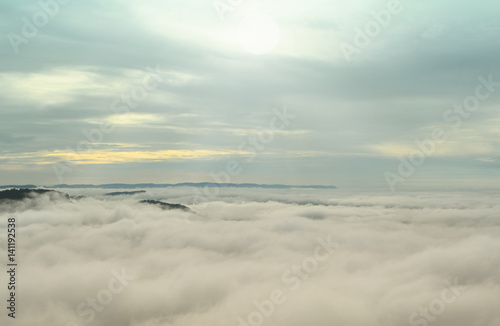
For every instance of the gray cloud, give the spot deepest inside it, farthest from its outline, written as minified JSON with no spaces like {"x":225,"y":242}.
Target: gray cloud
{"x":91,"y":53}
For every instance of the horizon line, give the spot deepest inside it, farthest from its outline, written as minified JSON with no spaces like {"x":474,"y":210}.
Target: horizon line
{"x":166,"y":185}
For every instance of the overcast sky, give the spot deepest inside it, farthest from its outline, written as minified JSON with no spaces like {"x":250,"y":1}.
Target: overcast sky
{"x":355,"y":111}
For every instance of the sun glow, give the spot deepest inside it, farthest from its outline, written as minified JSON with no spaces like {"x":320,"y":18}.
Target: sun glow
{"x":258,"y":34}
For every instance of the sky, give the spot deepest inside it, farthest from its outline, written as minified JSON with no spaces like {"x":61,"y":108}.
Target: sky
{"x":354,"y":258}
{"x":363,"y":93}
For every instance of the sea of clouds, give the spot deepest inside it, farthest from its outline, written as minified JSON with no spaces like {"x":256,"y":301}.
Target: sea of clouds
{"x":247,"y":257}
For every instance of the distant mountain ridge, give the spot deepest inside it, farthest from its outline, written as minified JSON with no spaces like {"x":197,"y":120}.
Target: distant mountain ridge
{"x":164,"y":205}
{"x":19,"y":186}
{"x":184,"y":184}
{"x":11,"y":196}
{"x":20,"y":194}
{"x":127,"y":193}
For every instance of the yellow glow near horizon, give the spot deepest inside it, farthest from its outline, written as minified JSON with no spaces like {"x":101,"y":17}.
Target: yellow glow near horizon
{"x":133,"y":118}
{"x":111,"y":157}
{"x":449,"y":148}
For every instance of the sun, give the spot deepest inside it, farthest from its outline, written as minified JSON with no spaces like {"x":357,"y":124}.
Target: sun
{"x":258,"y":33}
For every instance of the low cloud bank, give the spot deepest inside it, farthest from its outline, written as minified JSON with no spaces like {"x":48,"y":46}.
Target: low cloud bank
{"x":246,"y":257}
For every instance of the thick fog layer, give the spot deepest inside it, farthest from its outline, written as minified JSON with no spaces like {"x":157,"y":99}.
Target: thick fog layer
{"x":258,"y":257}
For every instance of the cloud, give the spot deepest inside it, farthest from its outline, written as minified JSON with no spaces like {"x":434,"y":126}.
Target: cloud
{"x":65,"y":79}
{"x":395,"y":255}
{"x":108,"y":157}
